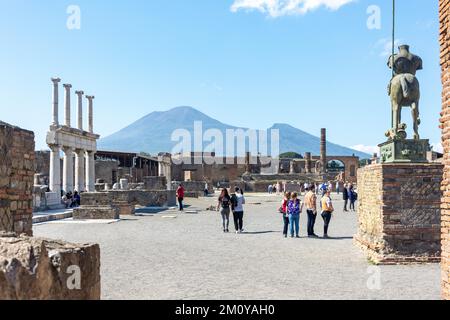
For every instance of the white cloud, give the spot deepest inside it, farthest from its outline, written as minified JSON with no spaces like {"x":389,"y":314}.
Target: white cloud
{"x":438,"y":147}
{"x":385,"y":46}
{"x":366,"y":149}
{"x":278,"y":8}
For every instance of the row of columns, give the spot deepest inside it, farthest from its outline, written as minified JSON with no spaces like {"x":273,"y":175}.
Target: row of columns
{"x":83,"y":179}
{"x":67,"y":106}
{"x":84,"y":170}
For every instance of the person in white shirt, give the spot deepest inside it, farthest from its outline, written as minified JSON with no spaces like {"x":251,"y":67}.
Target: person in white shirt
{"x":237,"y":206}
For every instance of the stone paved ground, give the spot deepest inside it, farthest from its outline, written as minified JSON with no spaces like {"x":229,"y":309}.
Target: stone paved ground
{"x":188,"y":257}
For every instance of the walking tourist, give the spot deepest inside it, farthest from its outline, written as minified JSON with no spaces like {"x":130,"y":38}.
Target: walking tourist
{"x":278,"y":188}
{"x":294,"y":211}
{"x":284,"y":212}
{"x":270,"y":189}
{"x":223,"y":207}
{"x":206,"y":191}
{"x":338,"y":187}
{"x":345,"y":197}
{"x":323,"y":188}
{"x":237,"y":206}
{"x":352,"y":197}
{"x":310,"y":202}
{"x":180,"y":196}
{"x":327,"y":211}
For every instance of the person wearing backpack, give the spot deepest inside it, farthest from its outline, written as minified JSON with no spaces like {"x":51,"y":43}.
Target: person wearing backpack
{"x":237,"y":206}
{"x":294,"y":211}
{"x":223,"y":207}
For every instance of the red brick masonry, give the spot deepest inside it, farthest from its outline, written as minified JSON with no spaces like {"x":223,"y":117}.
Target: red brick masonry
{"x":444,"y":38}
{"x":16,"y":179}
{"x":399,"y":212}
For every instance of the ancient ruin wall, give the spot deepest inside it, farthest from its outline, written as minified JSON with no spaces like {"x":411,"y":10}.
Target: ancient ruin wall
{"x":17,"y":162}
{"x":444,"y":11}
{"x":399,"y":212}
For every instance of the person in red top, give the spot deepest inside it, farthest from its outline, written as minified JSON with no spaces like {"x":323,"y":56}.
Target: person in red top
{"x":284,"y":212}
{"x":180,"y":196}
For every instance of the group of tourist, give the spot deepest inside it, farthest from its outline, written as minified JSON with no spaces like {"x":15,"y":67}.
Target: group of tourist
{"x":292,"y":207}
{"x":71,"y":200}
{"x":235,"y":204}
{"x":275,"y":188}
{"x":349,"y":196}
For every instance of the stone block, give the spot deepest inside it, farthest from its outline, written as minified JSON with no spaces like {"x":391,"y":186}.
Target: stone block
{"x":96,"y":213}
{"x":42,"y":269}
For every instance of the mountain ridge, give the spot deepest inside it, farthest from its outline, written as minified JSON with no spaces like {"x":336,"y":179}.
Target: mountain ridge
{"x":152,"y":134}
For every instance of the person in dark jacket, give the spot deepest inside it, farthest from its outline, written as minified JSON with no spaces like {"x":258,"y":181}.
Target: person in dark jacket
{"x":345,"y":196}
{"x":352,"y":196}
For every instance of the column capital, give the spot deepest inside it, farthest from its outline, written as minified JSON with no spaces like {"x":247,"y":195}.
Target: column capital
{"x":54,"y":146}
{"x":67,"y":85}
{"x":67,"y":149}
{"x":79,"y":92}
{"x":56,"y":80}
{"x":90,"y":97}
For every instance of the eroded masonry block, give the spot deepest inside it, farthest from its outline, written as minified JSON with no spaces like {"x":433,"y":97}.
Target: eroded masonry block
{"x":107,"y":212}
{"x":16,"y":179}
{"x":399,"y":212}
{"x":36,"y":268}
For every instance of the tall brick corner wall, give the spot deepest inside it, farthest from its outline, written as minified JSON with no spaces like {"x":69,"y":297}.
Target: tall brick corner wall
{"x":17,"y":162}
{"x":444,"y":38}
{"x":399,"y":212}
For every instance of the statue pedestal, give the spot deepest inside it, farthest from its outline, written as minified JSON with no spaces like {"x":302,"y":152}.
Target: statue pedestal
{"x":399,"y":212}
{"x":405,"y":151}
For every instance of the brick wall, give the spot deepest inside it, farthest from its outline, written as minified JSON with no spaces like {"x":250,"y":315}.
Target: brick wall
{"x":17,"y":162}
{"x":399,"y":212}
{"x":444,"y":37}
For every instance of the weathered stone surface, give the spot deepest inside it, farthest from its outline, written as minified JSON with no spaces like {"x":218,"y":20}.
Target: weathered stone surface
{"x":155,"y":183}
{"x":17,"y":162}
{"x":399,"y":212}
{"x":36,"y":268}
{"x":444,"y":17}
{"x":98,"y":212}
{"x":144,"y":198}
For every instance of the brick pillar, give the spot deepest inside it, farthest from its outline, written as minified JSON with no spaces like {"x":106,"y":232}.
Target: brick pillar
{"x":16,"y":179}
{"x":444,"y":17}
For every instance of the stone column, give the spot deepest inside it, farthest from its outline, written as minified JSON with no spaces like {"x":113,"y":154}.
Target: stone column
{"x":292,"y":167}
{"x":80,"y":109}
{"x":323,"y":150}
{"x":68,"y":170}
{"x":67,"y":88}
{"x":55,"y":170}
{"x":55,"y":104}
{"x":90,"y":171}
{"x":308,"y":162}
{"x":79,"y":170}
{"x":91,"y":113}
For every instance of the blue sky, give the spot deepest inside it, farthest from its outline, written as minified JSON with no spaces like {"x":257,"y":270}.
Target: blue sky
{"x":238,"y":62}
